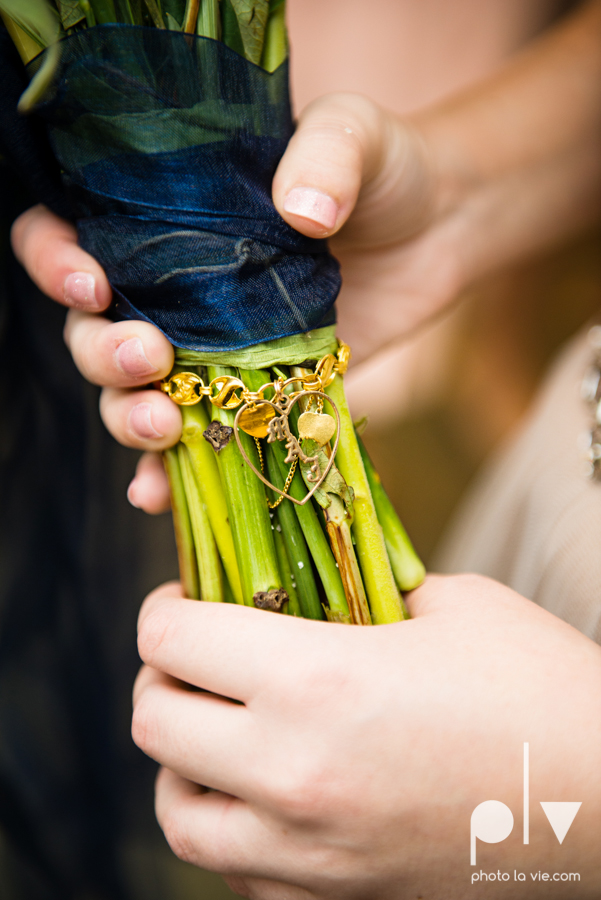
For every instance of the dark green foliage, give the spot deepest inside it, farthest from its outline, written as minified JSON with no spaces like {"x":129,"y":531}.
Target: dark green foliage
{"x":230,"y":33}
{"x":175,"y":9}
{"x":70,"y":12}
{"x":104,"y":11}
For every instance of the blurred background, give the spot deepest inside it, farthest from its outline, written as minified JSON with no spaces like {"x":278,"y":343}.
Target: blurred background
{"x":454,"y":393}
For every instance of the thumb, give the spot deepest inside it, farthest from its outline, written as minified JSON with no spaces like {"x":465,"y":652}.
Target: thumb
{"x":336,"y":147}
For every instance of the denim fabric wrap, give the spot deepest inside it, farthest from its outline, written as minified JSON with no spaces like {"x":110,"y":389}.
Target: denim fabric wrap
{"x":168,"y":144}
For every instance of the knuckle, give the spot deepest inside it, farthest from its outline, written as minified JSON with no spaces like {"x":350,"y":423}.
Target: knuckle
{"x":84,"y":358}
{"x":242,"y":887}
{"x":144,"y":730}
{"x":114,"y":409}
{"x":177,"y":836}
{"x":20,"y":229}
{"x":154,"y":631}
{"x":301,"y":795}
{"x":17,"y":232}
{"x":343,"y":111}
{"x":74,"y":335}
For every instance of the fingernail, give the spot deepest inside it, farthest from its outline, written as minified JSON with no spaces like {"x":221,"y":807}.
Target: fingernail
{"x":131,"y":360}
{"x":312,"y":204}
{"x":130,"y":494}
{"x":79,"y":290}
{"x":139,"y":422}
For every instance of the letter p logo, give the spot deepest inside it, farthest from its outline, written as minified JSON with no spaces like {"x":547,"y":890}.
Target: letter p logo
{"x":492,"y":822}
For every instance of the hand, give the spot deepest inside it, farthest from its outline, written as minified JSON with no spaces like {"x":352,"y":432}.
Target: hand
{"x":498,"y":172}
{"x":352,"y":759}
{"x":123,"y":357}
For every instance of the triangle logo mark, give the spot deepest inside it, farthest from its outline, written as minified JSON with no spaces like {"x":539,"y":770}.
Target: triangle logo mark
{"x":560,"y":816}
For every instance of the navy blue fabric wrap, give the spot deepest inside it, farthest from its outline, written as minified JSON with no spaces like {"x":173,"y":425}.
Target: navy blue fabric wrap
{"x":168,"y":144}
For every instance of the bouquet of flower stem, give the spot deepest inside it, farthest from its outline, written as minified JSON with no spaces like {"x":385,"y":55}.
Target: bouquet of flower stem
{"x":168,"y":136}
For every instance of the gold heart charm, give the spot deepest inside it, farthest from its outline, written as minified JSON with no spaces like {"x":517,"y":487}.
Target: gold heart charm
{"x":254,"y":420}
{"x":274,"y":411}
{"x":318,"y":427}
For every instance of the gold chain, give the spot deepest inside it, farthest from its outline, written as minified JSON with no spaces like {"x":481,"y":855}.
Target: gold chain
{"x":289,"y":477}
{"x":287,"y":484}
{"x":188,"y":388}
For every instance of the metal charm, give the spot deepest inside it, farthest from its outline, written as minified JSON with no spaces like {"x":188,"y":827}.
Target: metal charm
{"x":319,"y":427}
{"x":184,"y":388}
{"x":255,"y":420}
{"x":278,"y":429}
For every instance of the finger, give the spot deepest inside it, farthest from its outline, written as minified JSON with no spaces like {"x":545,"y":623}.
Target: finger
{"x":147,"y":676}
{"x":447,"y":595}
{"x":117,"y":354}
{"x":197,"y":735}
{"x":147,"y":420}
{"x":196,"y":821}
{"x":262,"y":889}
{"x":47,"y":248}
{"x":149,"y":490}
{"x":336,"y":145}
{"x":231,"y":650}
{"x":222,"y":834}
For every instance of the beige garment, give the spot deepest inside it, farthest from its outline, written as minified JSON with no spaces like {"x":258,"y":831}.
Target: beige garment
{"x":533,"y":519}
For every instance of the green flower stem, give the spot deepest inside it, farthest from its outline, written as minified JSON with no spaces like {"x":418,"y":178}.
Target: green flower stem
{"x":296,"y":546}
{"x":294,"y":607}
{"x":335,"y":498}
{"x":247,"y":508}
{"x":227,"y":591}
{"x":339,"y":532}
{"x":275,"y":45}
{"x":207,"y":558}
{"x":190,"y":16}
{"x":209,"y":21}
{"x":384,"y":599}
{"x":195,"y":421}
{"x":230,"y":29}
{"x":126,"y":12}
{"x":183,"y":530}
{"x":407,"y":567}
{"x":317,"y":541}
{"x":88,"y":13}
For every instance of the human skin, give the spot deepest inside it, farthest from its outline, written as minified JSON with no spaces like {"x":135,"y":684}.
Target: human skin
{"x":358,"y":757}
{"x":353,"y":758}
{"x":439,"y":199}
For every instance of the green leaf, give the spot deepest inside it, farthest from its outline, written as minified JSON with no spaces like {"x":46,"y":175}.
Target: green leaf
{"x":333,"y":483}
{"x":37,"y":18}
{"x":155,"y":13}
{"x":40,"y":21}
{"x":172,"y":24}
{"x":209,"y":21}
{"x":174,"y":12}
{"x":104,"y":11}
{"x":275,"y":42}
{"x":252,"y":19}
{"x":70,"y":12}
{"x":41,"y":81}
{"x":124,"y":12}
{"x":230,"y":34}
{"x":137,"y":12}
